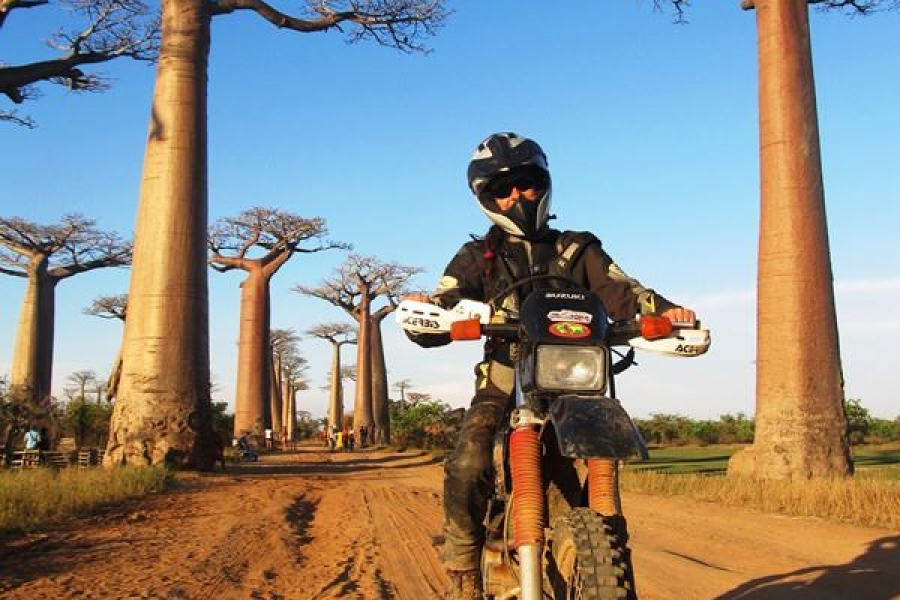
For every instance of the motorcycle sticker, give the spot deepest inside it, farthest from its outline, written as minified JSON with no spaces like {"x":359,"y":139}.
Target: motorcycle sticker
{"x":568,"y":329}
{"x":576,"y":316}
{"x":565,"y":295}
{"x":420,"y":322}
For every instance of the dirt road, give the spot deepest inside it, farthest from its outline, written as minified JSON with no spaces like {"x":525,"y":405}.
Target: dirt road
{"x":315,"y":526}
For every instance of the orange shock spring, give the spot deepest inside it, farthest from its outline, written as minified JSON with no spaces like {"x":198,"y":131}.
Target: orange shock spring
{"x":603,"y":488}
{"x":528,"y":496}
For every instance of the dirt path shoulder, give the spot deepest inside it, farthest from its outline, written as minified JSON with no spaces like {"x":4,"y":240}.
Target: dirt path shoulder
{"x":317,"y":526}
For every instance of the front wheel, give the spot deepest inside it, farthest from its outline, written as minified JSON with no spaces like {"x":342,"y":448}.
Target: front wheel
{"x":589,"y":558}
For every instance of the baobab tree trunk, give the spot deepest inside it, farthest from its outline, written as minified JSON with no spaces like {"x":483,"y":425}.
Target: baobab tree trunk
{"x":290,"y":411}
{"x":336,"y":402}
{"x":252,"y":396}
{"x":275,"y":408}
{"x":380,"y":407}
{"x":362,"y":407}
{"x":32,"y":367}
{"x":800,"y":421}
{"x":162,"y":413}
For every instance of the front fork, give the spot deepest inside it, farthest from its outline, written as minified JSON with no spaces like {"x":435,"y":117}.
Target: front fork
{"x":528,"y":508}
{"x":527,"y":501}
{"x":603,"y":486}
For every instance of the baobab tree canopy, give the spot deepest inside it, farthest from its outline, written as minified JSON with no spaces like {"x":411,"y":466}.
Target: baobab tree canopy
{"x":277,"y":233}
{"x":399,"y":24}
{"x":111,"y":29}
{"x":359,"y":276}
{"x":70,"y":247}
{"x":108,"y":307}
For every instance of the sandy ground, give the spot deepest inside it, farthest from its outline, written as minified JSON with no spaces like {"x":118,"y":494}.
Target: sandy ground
{"x":315,"y":526}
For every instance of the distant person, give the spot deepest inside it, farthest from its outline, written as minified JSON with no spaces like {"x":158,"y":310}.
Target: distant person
{"x":363,"y":436}
{"x":339,"y":441}
{"x":32,"y":438}
{"x":268,"y":435}
{"x":351,"y":440}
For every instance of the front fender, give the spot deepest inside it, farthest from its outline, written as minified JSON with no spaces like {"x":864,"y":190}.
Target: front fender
{"x":595,"y":427}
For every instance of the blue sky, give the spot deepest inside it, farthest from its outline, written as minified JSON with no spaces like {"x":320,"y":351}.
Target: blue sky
{"x":651,"y":133}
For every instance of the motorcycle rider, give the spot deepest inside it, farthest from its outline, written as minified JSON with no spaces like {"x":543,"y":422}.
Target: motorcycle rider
{"x":510,"y":178}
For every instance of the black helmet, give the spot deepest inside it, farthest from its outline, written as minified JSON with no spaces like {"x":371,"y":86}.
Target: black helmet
{"x":503,"y":154}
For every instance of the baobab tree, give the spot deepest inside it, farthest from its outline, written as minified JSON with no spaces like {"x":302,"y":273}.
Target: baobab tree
{"x":338,"y":334}
{"x":283,"y":343}
{"x":231,"y":241}
{"x":111,"y":307}
{"x":293,"y":380}
{"x":358,"y":282}
{"x":111,"y":29}
{"x":163,"y":407}
{"x":80,"y":381}
{"x":401,"y":386}
{"x":800,"y":421}
{"x":46,"y":255}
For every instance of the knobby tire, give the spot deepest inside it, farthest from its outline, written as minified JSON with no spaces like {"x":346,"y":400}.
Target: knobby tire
{"x":589,"y":558}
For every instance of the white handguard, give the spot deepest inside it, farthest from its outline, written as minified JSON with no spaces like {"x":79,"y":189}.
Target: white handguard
{"x":422,"y":317}
{"x":681,"y":342}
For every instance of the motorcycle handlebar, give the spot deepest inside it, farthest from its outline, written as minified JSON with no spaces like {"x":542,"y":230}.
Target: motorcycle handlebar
{"x":618,"y":334}
{"x":503,"y":330}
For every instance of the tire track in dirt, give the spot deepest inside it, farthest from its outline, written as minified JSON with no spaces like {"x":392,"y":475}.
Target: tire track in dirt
{"x":405,"y":518}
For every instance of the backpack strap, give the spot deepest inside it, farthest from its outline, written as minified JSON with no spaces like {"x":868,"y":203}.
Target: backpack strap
{"x":569,"y":246}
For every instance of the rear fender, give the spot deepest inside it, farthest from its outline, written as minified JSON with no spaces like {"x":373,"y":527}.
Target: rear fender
{"x":595,"y":427}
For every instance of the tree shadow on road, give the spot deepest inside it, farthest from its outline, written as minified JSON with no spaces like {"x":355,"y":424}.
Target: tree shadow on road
{"x":873,"y":575}
{"x":298,"y":517}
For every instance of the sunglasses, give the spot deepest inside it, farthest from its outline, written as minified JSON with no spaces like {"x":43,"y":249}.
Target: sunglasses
{"x":502,"y":186}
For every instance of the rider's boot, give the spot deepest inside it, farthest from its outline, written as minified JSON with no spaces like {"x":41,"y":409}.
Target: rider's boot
{"x":465,"y":585}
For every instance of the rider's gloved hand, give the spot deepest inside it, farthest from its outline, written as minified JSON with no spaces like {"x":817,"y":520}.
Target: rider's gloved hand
{"x":418,"y":297}
{"x":681,"y":315}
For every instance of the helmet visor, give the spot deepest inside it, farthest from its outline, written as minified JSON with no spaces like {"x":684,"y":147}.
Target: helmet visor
{"x":525,"y":178}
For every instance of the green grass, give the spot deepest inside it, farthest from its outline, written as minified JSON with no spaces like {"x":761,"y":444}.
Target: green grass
{"x":881,"y":461}
{"x":33,"y":498}
{"x":872,"y":461}
{"x":681,"y":460}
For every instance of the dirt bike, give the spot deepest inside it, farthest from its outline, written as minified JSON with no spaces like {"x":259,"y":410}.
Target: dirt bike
{"x":554,"y":524}
{"x":245,"y":453}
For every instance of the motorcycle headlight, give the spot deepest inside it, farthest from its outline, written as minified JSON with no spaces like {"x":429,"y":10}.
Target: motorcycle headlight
{"x":572,"y":368}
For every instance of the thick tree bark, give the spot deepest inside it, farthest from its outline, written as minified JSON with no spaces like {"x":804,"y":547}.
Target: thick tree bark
{"x":162,"y":414}
{"x":32,"y":367}
{"x":380,"y":407}
{"x":800,"y":421}
{"x":336,"y":401}
{"x":362,"y":407}
{"x":252,"y":399}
